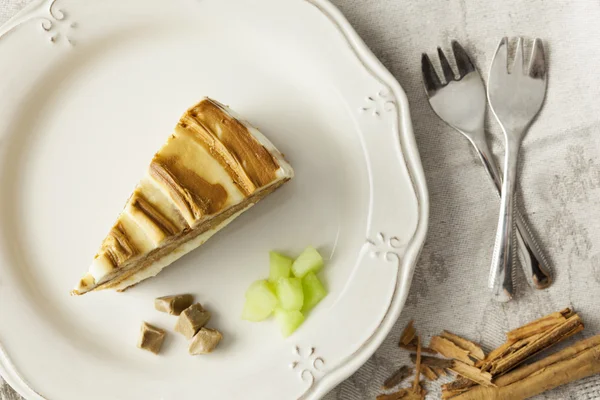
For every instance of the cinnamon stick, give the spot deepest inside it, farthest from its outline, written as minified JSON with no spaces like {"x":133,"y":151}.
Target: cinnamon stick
{"x":500,"y":375}
{"x":525,"y":342}
{"x":432,"y":361}
{"x":429,"y":373}
{"x":417,"y":366}
{"x":576,"y":362}
{"x":497,"y":353}
{"x":474,"y":349}
{"x":415,"y":394}
{"x":450,"y":394}
{"x":557,"y":334}
{"x":460,"y":383}
{"x":526,"y":370}
{"x":505,"y":350}
{"x":472,"y":373}
{"x":397,"y":377}
{"x":539,"y":325}
{"x":413,"y":347}
{"x":408,"y":334}
{"x":448,"y":349}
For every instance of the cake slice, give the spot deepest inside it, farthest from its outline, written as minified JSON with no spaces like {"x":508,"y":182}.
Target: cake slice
{"x":211,"y":169}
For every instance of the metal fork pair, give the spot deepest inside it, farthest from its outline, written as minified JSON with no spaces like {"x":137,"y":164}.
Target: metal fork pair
{"x":460,"y":101}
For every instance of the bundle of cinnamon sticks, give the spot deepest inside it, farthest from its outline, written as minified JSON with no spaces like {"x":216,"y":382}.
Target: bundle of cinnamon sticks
{"x":501,"y":374}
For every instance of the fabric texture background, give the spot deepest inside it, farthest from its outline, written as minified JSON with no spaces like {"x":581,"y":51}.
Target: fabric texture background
{"x":559,"y":182}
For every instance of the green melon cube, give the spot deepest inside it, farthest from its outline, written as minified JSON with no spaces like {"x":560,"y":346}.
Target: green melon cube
{"x":289,"y":292}
{"x":288,"y":321}
{"x":309,"y":261}
{"x":260,"y":301}
{"x":313,"y":290}
{"x":280,"y":266}
{"x":271,"y":286}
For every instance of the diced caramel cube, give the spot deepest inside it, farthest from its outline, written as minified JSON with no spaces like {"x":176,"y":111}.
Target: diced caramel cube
{"x":173,"y":305}
{"x":151,"y":338}
{"x":191,"y":320}
{"x":205,"y":341}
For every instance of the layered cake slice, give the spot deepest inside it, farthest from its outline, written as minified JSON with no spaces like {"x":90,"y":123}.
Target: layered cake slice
{"x":211,"y":169}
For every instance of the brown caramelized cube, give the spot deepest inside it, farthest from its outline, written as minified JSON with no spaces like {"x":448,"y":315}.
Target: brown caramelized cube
{"x":173,"y":305}
{"x":205,"y":341}
{"x":151,"y":338}
{"x":191,"y":320}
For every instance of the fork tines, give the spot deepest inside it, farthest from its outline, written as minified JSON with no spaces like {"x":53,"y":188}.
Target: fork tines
{"x":446,"y":68}
{"x":463,"y":62}
{"x":537,"y":64}
{"x":430,"y":77}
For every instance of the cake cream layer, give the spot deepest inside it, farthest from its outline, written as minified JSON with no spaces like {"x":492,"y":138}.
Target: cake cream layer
{"x":212,"y":168}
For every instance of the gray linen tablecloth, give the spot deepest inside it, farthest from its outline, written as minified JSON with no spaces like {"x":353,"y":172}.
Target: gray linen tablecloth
{"x":560,"y":179}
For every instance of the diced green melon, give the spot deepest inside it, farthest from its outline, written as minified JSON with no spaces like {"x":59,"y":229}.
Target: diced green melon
{"x":289,"y":292}
{"x":260,"y":301}
{"x":313,"y":290}
{"x":271,"y":286}
{"x":288,"y":321}
{"x":309,"y":261}
{"x":280,"y":266}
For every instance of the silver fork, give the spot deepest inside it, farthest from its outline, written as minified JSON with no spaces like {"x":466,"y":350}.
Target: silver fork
{"x":515,"y":98}
{"x":461,"y":103}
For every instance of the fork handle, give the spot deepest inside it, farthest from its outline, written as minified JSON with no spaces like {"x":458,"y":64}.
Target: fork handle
{"x":533,"y":261}
{"x":538,"y":274}
{"x":504,"y":252}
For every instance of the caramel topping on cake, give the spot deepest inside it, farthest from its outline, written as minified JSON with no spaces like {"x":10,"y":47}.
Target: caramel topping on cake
{"x":229,"y":140}
{"x":145,"y":214}
{"x":194,"y":195}
{"x":213,"y":163}
{"x":117,"y":246}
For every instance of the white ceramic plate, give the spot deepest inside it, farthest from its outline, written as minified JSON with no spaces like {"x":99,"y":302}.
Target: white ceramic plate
{"x":91,"y":88}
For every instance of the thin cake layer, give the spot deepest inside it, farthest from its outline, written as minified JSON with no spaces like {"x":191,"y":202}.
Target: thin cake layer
{"x":211,"y":169}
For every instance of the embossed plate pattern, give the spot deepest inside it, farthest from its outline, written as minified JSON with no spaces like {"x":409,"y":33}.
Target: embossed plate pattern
{"x":91,"y":88}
